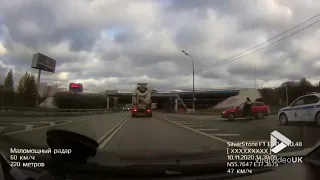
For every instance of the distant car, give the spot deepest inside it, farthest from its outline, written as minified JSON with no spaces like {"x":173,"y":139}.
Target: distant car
{"x":126,"y":108}
{"x":306,"y":108}
{"x":258,"y":110}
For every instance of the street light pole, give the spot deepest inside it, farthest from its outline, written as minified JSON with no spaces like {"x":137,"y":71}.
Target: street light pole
{"x":255,"y":80}
{"x":287,"y":97}
{"x":193,"y":96}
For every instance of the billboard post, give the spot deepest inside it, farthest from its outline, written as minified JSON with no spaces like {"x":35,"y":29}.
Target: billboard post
{"x":38,"y":87}
{"x":45,"y":63}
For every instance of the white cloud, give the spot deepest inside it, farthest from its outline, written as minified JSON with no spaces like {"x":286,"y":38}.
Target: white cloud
{"x":63,"y":76}
{"x":109,"y":44}
{"x":3,"y":50}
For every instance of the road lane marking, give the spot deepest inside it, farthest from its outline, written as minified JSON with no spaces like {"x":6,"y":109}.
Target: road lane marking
{"x":186,"y":123}
{"x":19,"y":124}
{"x":105,"y":135}
{"x":195,"y":115}
{"x":225,"y":135}
{"x":109,"y":135}
{"x":16,"y":132}
{"x":207,"y":129}
{"x":199,"y":132}
{"x":194,"y":130}
{"x":1,"y":129}
{"x":29,"y":127}
{"x":181,"y":121}
{"x":33,"y":122}
{"x":195,"y":126}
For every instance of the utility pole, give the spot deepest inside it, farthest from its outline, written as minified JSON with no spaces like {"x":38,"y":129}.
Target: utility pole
{"x":38,"y":88}
{"x":193,"y":96}
{"x":310,"y":76}
{"x":287,"y":100}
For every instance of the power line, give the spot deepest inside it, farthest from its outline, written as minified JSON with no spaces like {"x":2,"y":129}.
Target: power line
{"x":227,"y":60}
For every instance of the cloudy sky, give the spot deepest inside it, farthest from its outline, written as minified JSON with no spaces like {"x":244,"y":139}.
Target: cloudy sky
{"x":113,"y":44}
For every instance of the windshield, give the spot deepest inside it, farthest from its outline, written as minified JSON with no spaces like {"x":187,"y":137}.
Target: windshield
{"x":76,"y":65}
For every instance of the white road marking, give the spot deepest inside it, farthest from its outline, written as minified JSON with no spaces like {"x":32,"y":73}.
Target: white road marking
{"x":186,"y":123}
{"x":197,"y":115}
{"x":16,"y":132}
{"x":180,"y":121}
{"x":207,"y":129}
{"x":105,"y":135}
{"x":199,"y":132}
{"x":26,"y":122}
{"x":19,"y":124}
{"x":29,"y":127}
{"x":225,"y":135}
{"x":195,"y":126}
{"x":38,"y":122}
{"x":2,"y":128}
{"x":103,"y":143}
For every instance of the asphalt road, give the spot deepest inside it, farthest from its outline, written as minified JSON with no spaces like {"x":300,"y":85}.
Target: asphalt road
{"x":161,"y":134}
{"x":248,"y":130}
{"x":15,"y":124}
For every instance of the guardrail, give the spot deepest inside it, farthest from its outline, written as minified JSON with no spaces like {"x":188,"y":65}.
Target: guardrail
{"x":24,"y":111}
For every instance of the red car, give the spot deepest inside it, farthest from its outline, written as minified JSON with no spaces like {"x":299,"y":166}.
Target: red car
{"x":258,"y":110}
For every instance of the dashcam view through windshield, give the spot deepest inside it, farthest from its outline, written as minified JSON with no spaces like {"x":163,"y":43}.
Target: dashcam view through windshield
{"x":159,"y":88}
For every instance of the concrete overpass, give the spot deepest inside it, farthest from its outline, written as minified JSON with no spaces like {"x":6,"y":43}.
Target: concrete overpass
{"x":175,"y":100}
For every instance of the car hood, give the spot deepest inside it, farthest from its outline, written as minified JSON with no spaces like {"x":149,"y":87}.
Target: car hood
{"x":285,"y":108}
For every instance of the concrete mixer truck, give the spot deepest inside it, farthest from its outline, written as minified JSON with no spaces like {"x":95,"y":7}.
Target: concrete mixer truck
{"x":141,"y":101}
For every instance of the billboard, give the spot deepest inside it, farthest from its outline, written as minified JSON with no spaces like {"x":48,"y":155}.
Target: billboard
{"x":76,"y":87}
{"x":43,"y":62}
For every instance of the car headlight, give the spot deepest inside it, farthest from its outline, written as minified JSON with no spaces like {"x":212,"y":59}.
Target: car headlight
{"x":223,"y":112}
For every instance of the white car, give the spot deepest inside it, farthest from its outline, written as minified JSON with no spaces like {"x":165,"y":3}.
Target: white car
{"x":306,"y":108}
